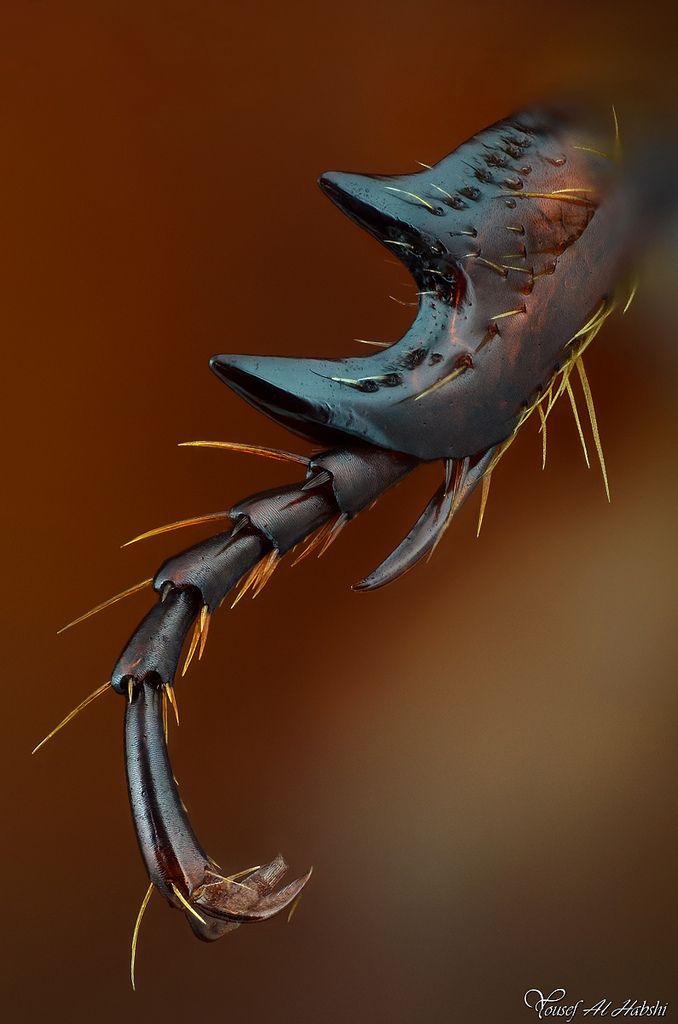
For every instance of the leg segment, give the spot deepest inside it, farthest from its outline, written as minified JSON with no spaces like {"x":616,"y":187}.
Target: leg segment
{"x":191,"y":586}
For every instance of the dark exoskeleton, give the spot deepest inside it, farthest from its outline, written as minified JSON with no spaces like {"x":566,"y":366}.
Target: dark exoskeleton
{"x":519,"y":243}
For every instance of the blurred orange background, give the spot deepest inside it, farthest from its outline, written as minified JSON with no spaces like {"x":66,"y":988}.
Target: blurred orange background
{"x":480,"y":761}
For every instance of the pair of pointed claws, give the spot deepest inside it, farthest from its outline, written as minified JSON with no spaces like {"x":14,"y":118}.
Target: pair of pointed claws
{"x":177,"y":865}
{"x":221,"y":904}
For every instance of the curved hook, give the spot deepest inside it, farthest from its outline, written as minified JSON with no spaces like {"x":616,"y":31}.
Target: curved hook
{"x":176,"y":863}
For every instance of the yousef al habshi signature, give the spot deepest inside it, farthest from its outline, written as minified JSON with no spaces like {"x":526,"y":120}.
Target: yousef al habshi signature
{"x":556,"y":1005}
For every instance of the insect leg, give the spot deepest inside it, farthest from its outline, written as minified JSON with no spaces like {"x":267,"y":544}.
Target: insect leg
{"x":191,"y":586}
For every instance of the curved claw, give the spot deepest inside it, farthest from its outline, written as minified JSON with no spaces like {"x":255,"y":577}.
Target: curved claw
{"x":254,"y":899}
{"x":176,"y":863}
{"x":429,"y":527}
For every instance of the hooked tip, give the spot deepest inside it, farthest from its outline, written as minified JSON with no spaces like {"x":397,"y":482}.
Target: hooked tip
{"x":248,"y":376}
{"x":266,"y":382}
{"x":288,"y":390}
{"x":335,"y":185}
{"x":364,"y":198}
{"x":255,"y":898}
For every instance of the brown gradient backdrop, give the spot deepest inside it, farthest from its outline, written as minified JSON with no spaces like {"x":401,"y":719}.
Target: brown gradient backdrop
{"x":480,"y":761}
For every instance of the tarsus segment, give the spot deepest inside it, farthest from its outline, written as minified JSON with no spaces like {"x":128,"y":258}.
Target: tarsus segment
{"x":191,"y":586}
